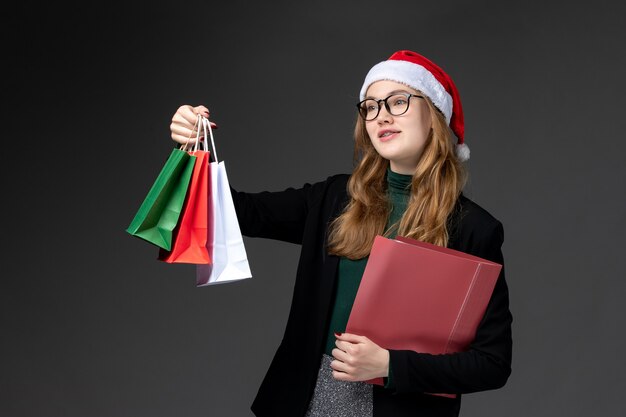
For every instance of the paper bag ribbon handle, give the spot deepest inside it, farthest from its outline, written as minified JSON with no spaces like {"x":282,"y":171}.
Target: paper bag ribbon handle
{"x":207,"y":125}
{"x":200,"y":120}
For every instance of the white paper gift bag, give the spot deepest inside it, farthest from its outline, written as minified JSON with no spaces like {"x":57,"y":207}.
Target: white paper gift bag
{"x":230,"y":261}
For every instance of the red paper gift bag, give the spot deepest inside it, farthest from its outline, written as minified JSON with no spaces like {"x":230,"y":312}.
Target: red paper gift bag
{"x":190,"y":241}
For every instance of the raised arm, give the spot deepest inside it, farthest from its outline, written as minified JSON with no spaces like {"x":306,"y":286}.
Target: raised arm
{"x":279,"y":215}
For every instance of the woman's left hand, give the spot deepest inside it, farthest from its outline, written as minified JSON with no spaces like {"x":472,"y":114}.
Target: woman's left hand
{"x":358,"y":359}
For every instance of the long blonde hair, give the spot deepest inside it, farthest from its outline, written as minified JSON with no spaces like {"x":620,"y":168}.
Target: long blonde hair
{"x":435,"y":188}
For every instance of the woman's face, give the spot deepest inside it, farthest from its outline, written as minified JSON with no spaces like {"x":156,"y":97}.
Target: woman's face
{"x":399,"y":139}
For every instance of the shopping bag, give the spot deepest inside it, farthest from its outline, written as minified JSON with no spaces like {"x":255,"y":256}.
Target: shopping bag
{"x":190,"y":236}
{"x":229,"y":258}
{"x":158,"y":215}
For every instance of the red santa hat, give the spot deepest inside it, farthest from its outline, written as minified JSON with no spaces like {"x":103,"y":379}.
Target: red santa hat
{"x":420,"y":73}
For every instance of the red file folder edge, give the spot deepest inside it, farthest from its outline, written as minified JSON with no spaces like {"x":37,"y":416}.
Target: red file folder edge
{"x":421,"y":297}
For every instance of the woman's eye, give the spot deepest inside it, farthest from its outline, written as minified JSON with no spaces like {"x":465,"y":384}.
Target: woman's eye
{"x":399,"y":102}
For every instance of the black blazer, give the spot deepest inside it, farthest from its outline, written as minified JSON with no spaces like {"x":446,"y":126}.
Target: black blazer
{"x":301,"y":216}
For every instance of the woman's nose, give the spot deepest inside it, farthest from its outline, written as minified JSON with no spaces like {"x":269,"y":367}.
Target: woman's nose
{"x":383,"y":115}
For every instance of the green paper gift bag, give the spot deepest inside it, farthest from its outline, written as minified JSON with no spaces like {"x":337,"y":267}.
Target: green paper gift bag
{"x":158,"y":215}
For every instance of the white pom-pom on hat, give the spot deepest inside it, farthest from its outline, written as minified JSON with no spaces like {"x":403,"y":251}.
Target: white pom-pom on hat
{"x":462,"y":152}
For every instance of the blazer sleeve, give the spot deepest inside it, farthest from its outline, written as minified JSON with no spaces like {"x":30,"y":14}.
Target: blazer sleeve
{"x":279,"y":215}
{"x":487,"y":363}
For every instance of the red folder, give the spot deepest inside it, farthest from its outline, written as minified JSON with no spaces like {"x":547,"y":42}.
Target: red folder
{"x":421,"y":297}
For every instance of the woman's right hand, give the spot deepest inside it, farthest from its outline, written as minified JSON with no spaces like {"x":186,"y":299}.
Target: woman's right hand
{"x":184,"y":123}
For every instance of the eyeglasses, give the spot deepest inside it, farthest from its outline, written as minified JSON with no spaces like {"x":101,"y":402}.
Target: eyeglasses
{"x":396,"y":105}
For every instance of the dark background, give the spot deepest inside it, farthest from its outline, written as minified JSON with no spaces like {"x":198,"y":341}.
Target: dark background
{"x":91,"y":324}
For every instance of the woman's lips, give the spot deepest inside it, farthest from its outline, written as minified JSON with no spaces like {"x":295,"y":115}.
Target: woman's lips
{"x":387,"y":135}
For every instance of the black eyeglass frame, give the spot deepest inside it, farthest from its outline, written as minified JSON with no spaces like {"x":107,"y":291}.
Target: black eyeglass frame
{"x":384,"y":100}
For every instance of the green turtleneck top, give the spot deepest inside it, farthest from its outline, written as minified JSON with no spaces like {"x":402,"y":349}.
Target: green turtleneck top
{"x":351,"y":272}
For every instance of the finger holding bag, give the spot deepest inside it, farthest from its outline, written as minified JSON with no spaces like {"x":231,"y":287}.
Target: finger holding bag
{"x":228,"y":254}
{"x":185,"y":121}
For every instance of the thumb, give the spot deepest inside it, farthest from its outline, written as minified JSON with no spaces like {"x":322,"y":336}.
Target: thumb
{"x":202,"y":110}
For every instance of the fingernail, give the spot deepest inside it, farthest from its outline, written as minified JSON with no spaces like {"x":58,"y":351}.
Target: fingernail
{"x":338,"y":334}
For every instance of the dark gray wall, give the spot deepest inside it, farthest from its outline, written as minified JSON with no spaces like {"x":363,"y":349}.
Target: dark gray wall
{"x":92,"y":324}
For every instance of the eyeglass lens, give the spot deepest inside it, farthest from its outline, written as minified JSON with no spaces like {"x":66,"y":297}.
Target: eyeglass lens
{"x":396,"y":105}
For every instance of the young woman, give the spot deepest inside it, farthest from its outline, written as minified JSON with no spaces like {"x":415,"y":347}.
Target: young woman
{"x":407,"y":181}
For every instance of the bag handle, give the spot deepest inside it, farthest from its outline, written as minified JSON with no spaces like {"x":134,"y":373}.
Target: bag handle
{"x":207,"y":125}
{"x":183,"y":147}
{"x":201,"y":120}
